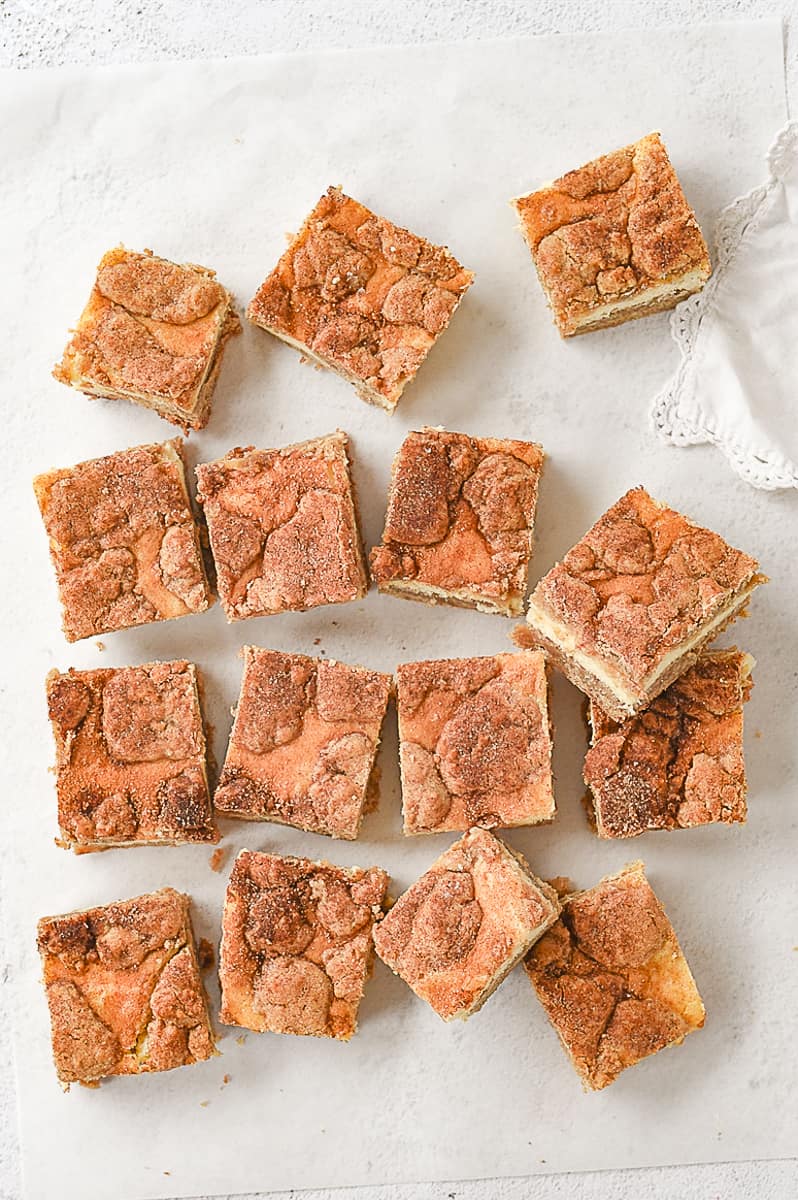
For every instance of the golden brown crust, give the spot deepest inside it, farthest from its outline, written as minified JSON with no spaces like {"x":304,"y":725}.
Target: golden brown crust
{"x":124,"y":989}
{"x":641,"y":586}
{"x":474,"y":742}
{"x":152,"y":332}
{"x":616,"y":232}
{"x":297,"y":944}
{"x":130,"y":756}
{"x":460,"y":520}
{"x":455,"y":934}
{"x":680,"y":762}
{"x":362,"y":296}
{"x":612,"y":978}
{"x":123,"y":540}
{"x":303,"y":743}
{"x":283,"y":527}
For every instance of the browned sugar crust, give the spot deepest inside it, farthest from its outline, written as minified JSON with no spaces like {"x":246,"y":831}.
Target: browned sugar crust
{"x":616,"y":232}
{"x":297,"y":944}
{"x":130,"y":756}
{"x":456,"y":933}
{"x":460,"y":520}
{"x":303,"y":742}
{"x":123,"y":540}
{"x":641,"y":584}
{"x":152,"y":332}
{"x":680,"y":762}
{"x":124,"y":989}
{"x":525,"y":637}
{"x":612,"y":978}
{"x":283,"y":527}
{"x":361,"y":296}
{"x":474,"y":742}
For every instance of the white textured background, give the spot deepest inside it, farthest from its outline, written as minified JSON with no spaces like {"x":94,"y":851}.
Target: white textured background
{"x":51,"y":32}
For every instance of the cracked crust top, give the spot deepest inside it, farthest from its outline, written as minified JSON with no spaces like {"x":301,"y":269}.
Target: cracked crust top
{"x":303,"y":743}
{"x":474,"y":742}
{"x":680,"y":763}
{"x":130,"y":759}
{"x":123,"y":540}
{"x":363,"y":296}
{"x":124,"y":989}
{"x":297,"y":944}
{"x":460,"y":519}
{"x":283,"y":527}
{"x":612,"y":230}
{"x":639,"y":584}
{"x":151,"y":332}
{"x":459,"y":929}
{"x":612,"y":978}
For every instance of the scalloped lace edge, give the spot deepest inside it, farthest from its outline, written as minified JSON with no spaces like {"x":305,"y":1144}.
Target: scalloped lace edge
{"x":739,"y":218}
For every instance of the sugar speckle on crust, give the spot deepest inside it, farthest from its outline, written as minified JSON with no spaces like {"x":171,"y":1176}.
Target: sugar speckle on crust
{"x":612,"y":231}
{"x":460,"y":520}
{"x":458,"y":930}
{"x":612,"y":978}
{"x":297,"y":944}
{"x":361,"y":296}
{"x":283,"y":527}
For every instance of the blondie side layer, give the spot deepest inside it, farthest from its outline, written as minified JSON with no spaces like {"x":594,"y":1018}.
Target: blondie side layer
{"x":357,"y":294}
{"x":124,"y":989}
{"x":152,"y":332}
{"x":460,"y":521}
{"x":458,"y":930}
{"x":630,"y":607}
{"x":297,"y":944}
{"x":615,"y":239}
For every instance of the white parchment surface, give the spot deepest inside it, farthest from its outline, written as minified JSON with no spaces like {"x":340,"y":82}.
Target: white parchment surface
{"x":212,"y":162}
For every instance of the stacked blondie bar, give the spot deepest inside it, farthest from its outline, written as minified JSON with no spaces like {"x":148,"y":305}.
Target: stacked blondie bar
{"x":627,"y":615}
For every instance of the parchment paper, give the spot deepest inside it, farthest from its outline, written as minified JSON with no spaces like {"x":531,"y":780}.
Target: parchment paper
{"x":212,"y":162}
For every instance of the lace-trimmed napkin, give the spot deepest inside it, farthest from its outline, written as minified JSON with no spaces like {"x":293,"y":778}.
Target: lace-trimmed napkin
{"x":737,"y":385}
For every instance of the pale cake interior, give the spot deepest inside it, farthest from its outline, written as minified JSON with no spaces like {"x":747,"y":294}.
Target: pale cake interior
{"x":640,"y":304}
{"x":624,"y":697}
{"x":464,"y":597}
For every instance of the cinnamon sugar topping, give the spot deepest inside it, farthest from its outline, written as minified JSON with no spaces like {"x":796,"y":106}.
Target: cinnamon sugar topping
{"x":627,"y":609}
{"x":152,"y":332}
{"x":474,"y":742}
{"x":130,"y":758}
{"x":615,"y":239}
{"x":612,"y":978}
{"x":680,"y":762}
{"x":124,"y":989}
{"x":123,"y":540}
{"x":361,"y":296}
{"x":283,"y":527}
{"x":303,"y":743}
{"x":297,"y":944}
{"x":455,"y":934}
{"x":460,"y":520}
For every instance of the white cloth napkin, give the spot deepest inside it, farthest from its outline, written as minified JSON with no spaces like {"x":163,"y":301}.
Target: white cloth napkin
{"x":737,"y":385}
